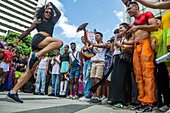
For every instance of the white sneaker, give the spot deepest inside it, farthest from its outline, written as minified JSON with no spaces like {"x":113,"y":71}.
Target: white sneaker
{"x":92,"y":97}
{"x":63,"y":93}
{"x":75,"y":97}
{"x":168,"y":111}
{"x":164,"y":108}
{"x":103,"y":97}
{"x":104,"y":100}
{"x":60,"y":93}
{"x":69,"y":97}
{"x":83,"y":99}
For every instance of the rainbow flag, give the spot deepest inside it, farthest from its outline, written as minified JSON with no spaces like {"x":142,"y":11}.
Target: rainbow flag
{"x":126,"y":2}
{"x":90,"y":54}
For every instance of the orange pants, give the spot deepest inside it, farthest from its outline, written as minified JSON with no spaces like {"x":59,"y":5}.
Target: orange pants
{"x":144,"y":70}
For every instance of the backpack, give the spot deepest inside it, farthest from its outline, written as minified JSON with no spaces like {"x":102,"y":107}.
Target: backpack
{"x":28,"y":87}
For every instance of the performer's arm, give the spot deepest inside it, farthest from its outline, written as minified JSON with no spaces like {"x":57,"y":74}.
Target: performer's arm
{"x":56,"y":60}
{"x":52,"y":62}
{"x":25,"y":33}
{"x":81,"y":60}
{"x":107,"y":55}
{"x":150,"y":28}
{"x":159,"y":5}
{"x":58,"y":13}
{"x":85,"y":37}
{"x":69,"y":65}
{"x":100,"y":46}
{"x":47,"y":66}
{"x":131,"y":41}
{"x":112,"y":47}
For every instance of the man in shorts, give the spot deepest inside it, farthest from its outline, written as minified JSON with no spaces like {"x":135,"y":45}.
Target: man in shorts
{"x":98,"y":64}
{"x":76,"y":70}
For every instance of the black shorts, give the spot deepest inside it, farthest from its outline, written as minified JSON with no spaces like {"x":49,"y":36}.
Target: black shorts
{"x":36,"y":40}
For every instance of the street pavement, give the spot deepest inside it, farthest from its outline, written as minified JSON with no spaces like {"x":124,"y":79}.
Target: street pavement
{"x":45,"y":104}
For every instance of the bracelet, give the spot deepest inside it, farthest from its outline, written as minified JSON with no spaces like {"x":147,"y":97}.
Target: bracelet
{"x":123,"y":48}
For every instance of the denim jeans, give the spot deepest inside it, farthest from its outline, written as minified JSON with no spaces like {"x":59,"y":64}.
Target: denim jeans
{"x":40,"y":77}
{"x":56,"y":78}
{"x":75,"y":69}
{"x":87,"y":81}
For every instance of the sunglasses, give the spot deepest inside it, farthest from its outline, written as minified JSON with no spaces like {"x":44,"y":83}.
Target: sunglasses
{"x":48,"y":12}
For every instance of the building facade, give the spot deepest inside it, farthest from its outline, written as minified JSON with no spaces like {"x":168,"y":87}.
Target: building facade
{"x":17,"y":15}
{"x":143,"y":9}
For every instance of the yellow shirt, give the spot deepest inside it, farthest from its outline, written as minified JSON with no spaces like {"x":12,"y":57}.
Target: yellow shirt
{"x":158,"y":35}
{"x":166,"y":21}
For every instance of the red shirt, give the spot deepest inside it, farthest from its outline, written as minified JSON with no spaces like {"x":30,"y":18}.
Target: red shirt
{"x":8,"y":55}
{"x":142,"y":19}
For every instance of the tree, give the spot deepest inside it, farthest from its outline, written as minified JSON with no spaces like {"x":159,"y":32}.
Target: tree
{"x":24,"y":47}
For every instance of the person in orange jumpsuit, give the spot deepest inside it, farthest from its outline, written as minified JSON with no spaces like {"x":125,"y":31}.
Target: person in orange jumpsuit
{"x":143,"y":55}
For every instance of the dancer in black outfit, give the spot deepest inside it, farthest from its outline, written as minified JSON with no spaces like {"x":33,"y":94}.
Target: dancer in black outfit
{"x":42,"y":43}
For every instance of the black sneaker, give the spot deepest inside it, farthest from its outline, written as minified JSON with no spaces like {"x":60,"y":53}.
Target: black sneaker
{"x":57,"y":95}
{"x":41,"y":94}
{"x":96,"y":101}
{"x":52,"y":94}
{"x":145,"y":108}
{"x":35,"y":93}
{"x":91,"y":100}
{"x":1,"y":88}
{"x":14,"y":97}
{"x":32,"y":61}
{"x":136,"y":107}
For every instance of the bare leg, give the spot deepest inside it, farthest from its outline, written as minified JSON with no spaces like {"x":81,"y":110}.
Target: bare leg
{"x":71,"y":86}
{"x":3,"y":77}
{"x":15,"y":81}
{"x":1,"y":71}
{"x":108,"y":86}
{"x":49,"y":44}
{"x":104,"y":89}
{"x":93,"y":80}
{"x":76,"y":86}
{"x":98,"y":89}
{"x":26,"y":76}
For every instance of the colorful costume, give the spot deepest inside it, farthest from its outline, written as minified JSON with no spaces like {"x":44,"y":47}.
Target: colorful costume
{"x":165,"y":39}
{"x":9,"y":77}
{"x":143,"y":63}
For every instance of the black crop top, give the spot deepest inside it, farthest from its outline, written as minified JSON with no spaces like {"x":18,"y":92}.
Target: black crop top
{"x":64,"y":57}
{"x":86,"y":58}
{"x":46,"y":27}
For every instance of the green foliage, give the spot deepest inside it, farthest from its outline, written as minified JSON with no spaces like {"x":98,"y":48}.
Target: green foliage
{"x":50,"y":54}
{"x":24,"y":47}
{"x":2,"y":38}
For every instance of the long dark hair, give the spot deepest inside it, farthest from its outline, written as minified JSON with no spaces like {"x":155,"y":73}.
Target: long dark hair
{"x":127,"y":26}
{"x":40,"y":13}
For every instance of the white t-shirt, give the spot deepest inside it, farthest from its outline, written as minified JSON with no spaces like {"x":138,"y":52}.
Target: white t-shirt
{"x":72,"y":58}
{"x":43,"y":63}
{"x":117,"y":49}
{"x":55,"y":68}
{"x":100,"y":56}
